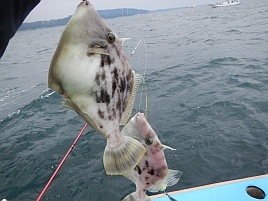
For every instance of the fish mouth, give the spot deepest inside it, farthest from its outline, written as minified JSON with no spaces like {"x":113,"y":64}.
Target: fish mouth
{"x":140,"y":115}
{"x":142,"y":121}
{"x":84,"y":3}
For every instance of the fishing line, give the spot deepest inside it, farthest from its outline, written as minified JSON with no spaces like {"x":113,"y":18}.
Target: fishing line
{"x":92,"y":137}
{"x":124,"y":24}
{"x":143,"y":78}
{"x":144,"y":83}
{"x":145,"y":67}
{"x":146,"y":98}
{"x":158,"y":132}
{"x":170,"y":198}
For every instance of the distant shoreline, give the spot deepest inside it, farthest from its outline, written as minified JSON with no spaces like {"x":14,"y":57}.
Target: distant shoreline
{"x":106,"y":14}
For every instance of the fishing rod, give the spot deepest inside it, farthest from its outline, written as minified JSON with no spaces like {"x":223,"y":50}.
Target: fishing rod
{"x":61,"y":163}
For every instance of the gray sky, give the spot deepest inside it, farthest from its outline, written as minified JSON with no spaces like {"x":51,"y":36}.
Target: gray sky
{"x":56,"y":9}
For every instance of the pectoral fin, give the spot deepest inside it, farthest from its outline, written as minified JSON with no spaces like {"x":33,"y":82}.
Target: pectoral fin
{"x":172,"y":177}
{"x":97,"y":51}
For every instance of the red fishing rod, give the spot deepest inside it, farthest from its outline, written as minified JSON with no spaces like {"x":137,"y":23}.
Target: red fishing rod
{"x":61,"y":163}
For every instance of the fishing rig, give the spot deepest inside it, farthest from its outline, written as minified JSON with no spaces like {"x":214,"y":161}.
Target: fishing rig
{"x":83,"y":129}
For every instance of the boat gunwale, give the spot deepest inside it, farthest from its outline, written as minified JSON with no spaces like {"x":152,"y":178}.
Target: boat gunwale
{"x":209,"y":186}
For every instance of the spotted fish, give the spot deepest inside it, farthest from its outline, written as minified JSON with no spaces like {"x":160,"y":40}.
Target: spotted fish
{"x":91,"y":71}
{"x":152,"y":172}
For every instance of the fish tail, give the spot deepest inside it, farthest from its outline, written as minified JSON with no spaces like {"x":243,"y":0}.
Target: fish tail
{"x":134,"y":197}
{"x":122,"y":159}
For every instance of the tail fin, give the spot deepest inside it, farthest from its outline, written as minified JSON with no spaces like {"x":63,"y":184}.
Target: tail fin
{"x":134,"y":197}
{"x":172,"y":177}
{"x":122,"y":159}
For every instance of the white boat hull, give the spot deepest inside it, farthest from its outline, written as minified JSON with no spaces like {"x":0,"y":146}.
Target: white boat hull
{"x":227,"y":3}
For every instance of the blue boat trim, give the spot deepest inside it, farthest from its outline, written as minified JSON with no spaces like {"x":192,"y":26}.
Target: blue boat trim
{"x":234,"y":190}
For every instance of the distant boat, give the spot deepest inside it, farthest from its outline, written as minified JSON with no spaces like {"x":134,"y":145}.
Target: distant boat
{"x":193,"y":6}
{"x":226,"y":3}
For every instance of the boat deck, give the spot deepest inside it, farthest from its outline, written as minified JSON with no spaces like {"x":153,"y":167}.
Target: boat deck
{"x":235,"y":190}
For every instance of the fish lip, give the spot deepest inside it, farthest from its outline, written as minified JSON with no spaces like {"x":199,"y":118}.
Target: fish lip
{"x":84,"y":3}
{"x":140,"y":115}
{"x":141,"y":118}
{"x":142,"y":122}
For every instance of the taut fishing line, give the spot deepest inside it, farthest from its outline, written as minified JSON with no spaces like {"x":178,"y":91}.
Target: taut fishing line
{"x":144,"y":83}
{"x":157,"y":132}
{"x":124,"y":24}
{"x":143,"y":86}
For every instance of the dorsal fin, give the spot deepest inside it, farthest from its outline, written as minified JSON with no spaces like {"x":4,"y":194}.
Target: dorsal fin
{"x":137,"y":81}
{"x":167,"y":147}
{"x":172,"y":177}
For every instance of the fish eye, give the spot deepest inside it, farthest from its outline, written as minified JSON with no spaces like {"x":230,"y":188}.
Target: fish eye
{"x":110,"y":37}
{"x":148,"y":140}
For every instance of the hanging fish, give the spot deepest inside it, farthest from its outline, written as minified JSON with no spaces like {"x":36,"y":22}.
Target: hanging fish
{"x":152,"y":172}
{"x":91,"y":71}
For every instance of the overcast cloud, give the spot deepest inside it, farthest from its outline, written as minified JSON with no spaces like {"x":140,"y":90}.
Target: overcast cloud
{"x":56,"y":9}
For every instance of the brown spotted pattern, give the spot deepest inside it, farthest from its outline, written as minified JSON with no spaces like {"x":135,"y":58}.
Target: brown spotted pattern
{"x":153,"y":166}
{"x":113,"y":87}
{"x":148,"y":172}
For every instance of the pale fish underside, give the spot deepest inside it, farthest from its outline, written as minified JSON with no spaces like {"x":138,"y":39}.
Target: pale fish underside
{"x":152,"y":172}
{"x":90,"y":69}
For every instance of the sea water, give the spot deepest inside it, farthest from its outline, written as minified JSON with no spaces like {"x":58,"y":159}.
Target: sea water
{"x":206,"y":73}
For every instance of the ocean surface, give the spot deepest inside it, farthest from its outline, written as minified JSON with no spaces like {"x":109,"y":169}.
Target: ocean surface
{"x":206,"y":74}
